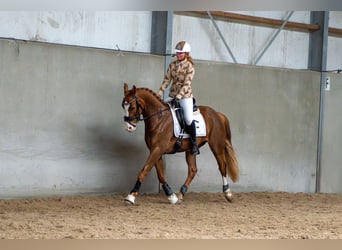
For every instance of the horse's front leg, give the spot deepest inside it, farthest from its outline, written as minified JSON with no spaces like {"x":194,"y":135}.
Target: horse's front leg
{"x":153,"y":159}
{"x":172,"y":197}
{"x":192,"y":170}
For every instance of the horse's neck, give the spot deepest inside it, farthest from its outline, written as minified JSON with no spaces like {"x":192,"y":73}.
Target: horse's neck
{"x":155,"y":115}
{"x":151,"y":102}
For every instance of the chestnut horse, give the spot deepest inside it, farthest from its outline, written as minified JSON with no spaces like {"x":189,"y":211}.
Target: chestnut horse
{"x":143,"y":104}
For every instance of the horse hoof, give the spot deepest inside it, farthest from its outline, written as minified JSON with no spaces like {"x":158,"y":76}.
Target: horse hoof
{"x":173,"y":199}
{"x":229,"y":195}
{"x":180,"y":197}
{"x":130,"y":199}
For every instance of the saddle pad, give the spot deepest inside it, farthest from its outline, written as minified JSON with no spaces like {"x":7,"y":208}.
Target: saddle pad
{"x":199,"y":121}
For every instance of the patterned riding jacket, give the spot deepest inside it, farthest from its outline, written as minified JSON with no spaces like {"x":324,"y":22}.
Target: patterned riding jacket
{"x":181,"y":74}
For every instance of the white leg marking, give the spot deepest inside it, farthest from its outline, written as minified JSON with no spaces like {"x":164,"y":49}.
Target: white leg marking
{"x":130,"y":199}
{"x":225,"y":180}
{"x":228,"y":194}
{"x":173,"y":198}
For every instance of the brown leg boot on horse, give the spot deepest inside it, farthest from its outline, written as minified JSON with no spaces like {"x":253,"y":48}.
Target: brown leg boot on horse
{"x":191,"y":129}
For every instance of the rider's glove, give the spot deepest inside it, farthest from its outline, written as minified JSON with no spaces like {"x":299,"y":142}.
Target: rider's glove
{"x":174,"y":102}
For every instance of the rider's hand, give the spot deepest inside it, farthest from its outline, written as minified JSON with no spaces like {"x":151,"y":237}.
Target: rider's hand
{"x":160,"y":94}
{"x":174,"y":102}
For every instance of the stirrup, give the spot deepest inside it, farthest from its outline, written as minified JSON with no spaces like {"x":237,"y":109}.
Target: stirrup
{"x":195,"y":150}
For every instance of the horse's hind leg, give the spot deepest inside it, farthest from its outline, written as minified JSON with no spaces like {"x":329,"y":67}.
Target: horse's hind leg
{"x":192,"y":170}
{"x":226,"y":190}
{"x":220,"y":158}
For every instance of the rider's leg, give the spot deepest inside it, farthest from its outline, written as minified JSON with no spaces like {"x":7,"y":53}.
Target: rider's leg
{"x":187,"y":105}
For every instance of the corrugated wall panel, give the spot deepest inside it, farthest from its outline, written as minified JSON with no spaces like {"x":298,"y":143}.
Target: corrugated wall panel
{"x":129,"y":30}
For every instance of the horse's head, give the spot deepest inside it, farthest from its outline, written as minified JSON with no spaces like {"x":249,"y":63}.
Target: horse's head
{"x":132,"y":108}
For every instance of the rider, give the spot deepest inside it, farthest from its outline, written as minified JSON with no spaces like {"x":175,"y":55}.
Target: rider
{"x":181,"y":73}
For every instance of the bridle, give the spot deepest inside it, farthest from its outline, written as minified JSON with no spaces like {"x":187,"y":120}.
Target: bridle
{"x":138,"y":116}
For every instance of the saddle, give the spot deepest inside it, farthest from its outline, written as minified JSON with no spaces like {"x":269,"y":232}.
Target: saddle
{"x":179,"y":124}
{"x":180,"y":114}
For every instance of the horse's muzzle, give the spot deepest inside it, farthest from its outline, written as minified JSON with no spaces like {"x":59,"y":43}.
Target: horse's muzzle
{"x":130,"y":127}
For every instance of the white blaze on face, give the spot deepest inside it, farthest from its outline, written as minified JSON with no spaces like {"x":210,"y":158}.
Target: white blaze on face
{"x":129,"y":126}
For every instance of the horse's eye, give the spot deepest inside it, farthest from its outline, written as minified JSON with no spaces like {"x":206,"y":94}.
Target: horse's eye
{"x":131,"y":108}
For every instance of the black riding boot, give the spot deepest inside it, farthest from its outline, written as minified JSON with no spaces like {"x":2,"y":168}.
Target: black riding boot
{"x":191,"y":129}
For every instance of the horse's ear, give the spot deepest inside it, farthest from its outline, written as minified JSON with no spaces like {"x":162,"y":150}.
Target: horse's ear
{"x":125,"y":88}
{"x":134,"y":89}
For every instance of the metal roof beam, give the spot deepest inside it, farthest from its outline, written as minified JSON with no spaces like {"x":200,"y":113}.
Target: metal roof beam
{"x":222,"y":37}
{"x":273,"y":37}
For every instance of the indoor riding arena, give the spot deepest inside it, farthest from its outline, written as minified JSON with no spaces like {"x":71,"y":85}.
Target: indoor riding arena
{"x":69,"y":167}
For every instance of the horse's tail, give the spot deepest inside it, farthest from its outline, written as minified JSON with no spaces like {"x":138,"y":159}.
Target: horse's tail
{"x":231,"y":161}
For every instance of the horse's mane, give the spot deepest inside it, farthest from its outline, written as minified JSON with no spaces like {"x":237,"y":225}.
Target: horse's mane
{"x":152,"y":93}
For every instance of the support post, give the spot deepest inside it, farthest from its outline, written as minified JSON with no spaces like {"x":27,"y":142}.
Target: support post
{"x":161,"y":43}
{"x":161,"y":37}
{"x":318,"y":62}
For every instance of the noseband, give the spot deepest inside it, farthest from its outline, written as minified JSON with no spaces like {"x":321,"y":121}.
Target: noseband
{"x":137,"y":115}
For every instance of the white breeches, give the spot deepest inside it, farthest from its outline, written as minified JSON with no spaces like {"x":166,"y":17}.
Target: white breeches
{"x":187,"y":105}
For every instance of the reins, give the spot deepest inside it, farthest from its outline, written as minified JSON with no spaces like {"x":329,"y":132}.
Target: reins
{"x":138,"y":115}
{"x":156,"y":113}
